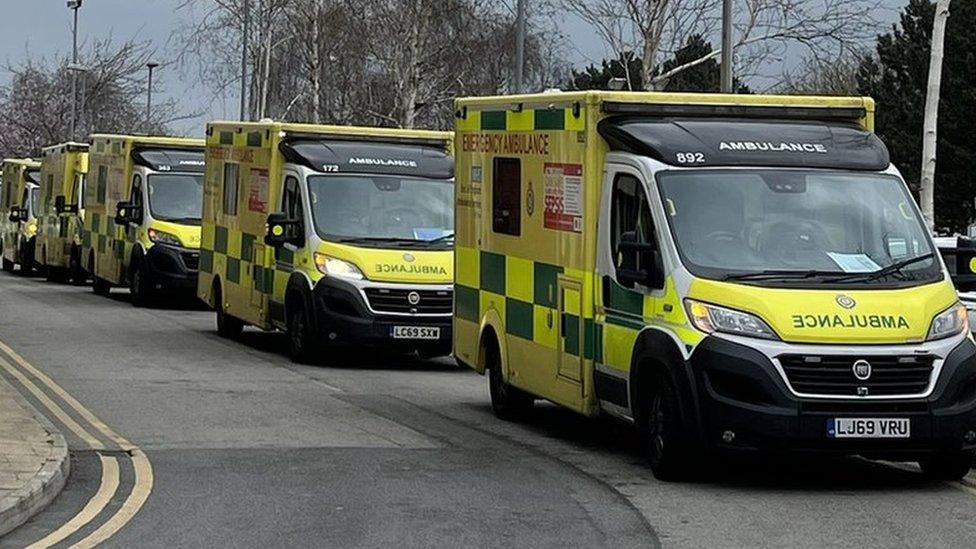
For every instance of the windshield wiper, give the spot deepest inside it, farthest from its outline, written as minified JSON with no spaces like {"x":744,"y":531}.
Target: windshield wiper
{"x":784,"y":274}
{"x":384,"y":239}
{"x":440,"y":239}
{"x":886,"y":271}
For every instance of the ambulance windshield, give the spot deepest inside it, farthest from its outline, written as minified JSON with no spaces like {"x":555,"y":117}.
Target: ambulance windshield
{"x":797,"y":227}
{"x":382,"y":209}
{"x":176,"y":197}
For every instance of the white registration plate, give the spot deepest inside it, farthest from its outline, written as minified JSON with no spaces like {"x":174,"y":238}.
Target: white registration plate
{"x":869,"y":427}
{"x":416,"y":332}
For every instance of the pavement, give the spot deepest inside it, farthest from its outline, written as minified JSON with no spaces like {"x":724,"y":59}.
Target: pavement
{"x":34,"y":460}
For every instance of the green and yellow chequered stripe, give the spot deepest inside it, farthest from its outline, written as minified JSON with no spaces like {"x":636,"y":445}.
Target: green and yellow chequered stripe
{"x":235,"y":251}
{"x":529,"y":292}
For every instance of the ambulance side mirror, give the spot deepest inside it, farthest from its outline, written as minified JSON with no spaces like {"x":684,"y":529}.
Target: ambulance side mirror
{"x":282,"y":230}
{"x":61,"y":205}
{"x":638,"y":262}
{"x":127,"y":212}
{"x":18,"y":214}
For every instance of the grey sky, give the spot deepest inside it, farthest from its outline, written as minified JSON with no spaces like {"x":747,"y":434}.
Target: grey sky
{"x":42,"y":28}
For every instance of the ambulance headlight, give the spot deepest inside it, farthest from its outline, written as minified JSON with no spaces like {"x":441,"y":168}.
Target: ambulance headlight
{"x":949,"y":322}
{"x":163,"y":237}
{"x":333,"y":266}
{"x":712,"y":318}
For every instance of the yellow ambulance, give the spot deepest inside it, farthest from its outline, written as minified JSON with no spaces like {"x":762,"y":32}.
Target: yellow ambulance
{"x":17,"y":208}
{"x":142,"y":214}
{"x":726,"y":272}
{"x":334,"y":235}
{"x":60,"y":211}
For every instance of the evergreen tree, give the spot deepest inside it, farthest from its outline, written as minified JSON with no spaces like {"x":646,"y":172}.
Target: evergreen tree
{"x":896,"y":78}
{"x":703,"y":77}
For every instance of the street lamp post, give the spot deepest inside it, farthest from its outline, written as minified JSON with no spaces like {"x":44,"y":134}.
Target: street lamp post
{"x":74,"y":5}
{"x":151,"y":65}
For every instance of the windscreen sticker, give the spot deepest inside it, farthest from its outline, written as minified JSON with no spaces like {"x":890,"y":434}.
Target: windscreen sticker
{"x":854,"y":263}
{"x":564,"y":197}
{"x":257,"y":197}
{"x":430,"y":234}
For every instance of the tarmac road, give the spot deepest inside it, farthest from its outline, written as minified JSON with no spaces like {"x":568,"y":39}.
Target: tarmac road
{"x":181,"y":438}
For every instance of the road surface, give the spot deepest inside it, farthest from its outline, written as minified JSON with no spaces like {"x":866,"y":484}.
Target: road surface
{"x":180,"y":438}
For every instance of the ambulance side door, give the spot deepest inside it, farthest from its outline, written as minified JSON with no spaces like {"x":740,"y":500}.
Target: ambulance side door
{"x":285,"y":255}
{"x":627,"y":239}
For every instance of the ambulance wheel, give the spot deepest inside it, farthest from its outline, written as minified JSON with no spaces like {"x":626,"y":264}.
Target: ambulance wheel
{"x":301,"y":336}
{"x":227,"y":326}
{"x":667,"y":450}
{"x":139,"y":285}
{"x":76,"y":274}
{"x":947,"y":465}
{"x":8,"y":266}
{"x":101,"y":286}
{"x":508,"y":402}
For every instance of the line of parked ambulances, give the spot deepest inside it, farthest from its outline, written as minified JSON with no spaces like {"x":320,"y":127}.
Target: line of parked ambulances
{"x":724,"y":272}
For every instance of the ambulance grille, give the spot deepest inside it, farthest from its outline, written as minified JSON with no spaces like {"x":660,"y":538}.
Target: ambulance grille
{"x":834,"y":375}
{"x":191,"y":260}
{"x":396,"y":301}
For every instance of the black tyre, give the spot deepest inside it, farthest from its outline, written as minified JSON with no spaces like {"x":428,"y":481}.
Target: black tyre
{"x":101,"y":286}
{"x":508,"y":402}
{"x":8,"y":266}
{"x":76,"y":273}
{"x":947,"y":465}
{"x":668,"y":450}
{"x":227,"y":326}
{"x":301,"y":335}
{"x":140,"y":287}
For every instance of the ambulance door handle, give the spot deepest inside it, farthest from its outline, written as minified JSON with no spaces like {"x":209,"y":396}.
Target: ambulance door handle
{"x":549,"y":319}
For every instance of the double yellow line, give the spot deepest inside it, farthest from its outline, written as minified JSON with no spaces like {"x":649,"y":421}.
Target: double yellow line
{"x":23,"y":372}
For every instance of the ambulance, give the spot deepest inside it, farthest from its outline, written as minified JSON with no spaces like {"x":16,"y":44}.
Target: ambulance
{"x":142,"y":214}
{"x":335,"y":235}
{"x":60,"y":212}
{"x":726,"y":272}
{"x":18,"y":224}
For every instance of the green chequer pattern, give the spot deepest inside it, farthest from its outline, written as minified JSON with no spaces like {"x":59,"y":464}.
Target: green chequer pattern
{"x":493,"y":278}
{"x":237,"y":250}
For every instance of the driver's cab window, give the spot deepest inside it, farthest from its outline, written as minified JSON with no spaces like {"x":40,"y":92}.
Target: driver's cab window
{"x":136,"y":197}
{"x":291,"y":199}
{"x":291,"y":205}
{"x":80,"y":180}
{"x":630,"y":213}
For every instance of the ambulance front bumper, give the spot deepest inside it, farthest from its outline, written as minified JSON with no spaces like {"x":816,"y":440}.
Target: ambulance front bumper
{"x":746,"y":401}
{"x":371,"y":314}
{"x":172,"y":268}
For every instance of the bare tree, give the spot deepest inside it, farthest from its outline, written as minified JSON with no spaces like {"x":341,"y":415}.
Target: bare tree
{"x":929,"y":142}
{"x":370,"y":62}
{"x":764,"y":29}
{"x":35,"y":106}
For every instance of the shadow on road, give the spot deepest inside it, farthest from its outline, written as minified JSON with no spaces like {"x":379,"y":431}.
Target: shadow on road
{"x":763,"y":472}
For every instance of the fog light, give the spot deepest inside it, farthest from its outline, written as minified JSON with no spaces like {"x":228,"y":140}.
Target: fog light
{"x":970,"y":436}
{"x":728,"y":437}
{"x":333,"y":335}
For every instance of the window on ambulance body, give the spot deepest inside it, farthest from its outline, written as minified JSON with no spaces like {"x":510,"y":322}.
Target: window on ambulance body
{"x":382,"y":207}
{"x":807,"y":225}
{"x":176,"y":197}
